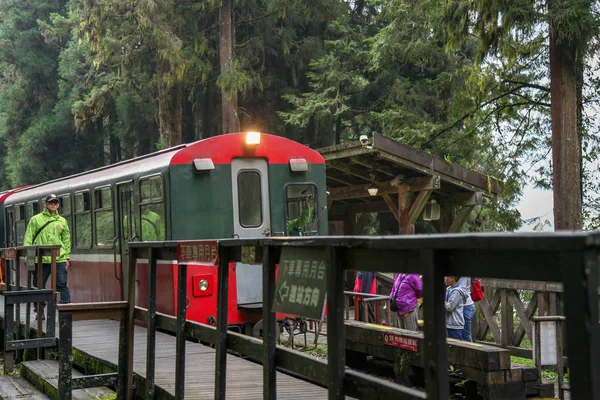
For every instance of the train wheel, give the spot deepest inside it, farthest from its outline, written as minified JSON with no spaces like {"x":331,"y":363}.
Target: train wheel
{"x":257,"y":330}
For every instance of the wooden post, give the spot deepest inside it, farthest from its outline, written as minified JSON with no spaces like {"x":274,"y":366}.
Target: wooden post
{"x":507,"y":318}
{"x":404,"y":203}
{"x":541,"y":304}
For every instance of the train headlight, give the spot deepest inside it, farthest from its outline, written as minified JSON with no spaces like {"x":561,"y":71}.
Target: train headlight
{"x":203,"y":285}
{"x":252,"y":138}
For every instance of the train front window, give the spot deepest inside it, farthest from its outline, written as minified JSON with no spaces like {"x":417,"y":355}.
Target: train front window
{"x":249,"y":199}
{"x":301,"y":206}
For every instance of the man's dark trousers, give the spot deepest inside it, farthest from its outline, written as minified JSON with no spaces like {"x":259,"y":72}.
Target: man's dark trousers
{"x":61,"y":281}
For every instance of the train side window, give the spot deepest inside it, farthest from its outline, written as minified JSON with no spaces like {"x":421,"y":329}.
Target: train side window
{"x":65,"y":205}
{"x":250,"y":199}
{"x":83,"y":222}
{"x":300,"y":207}
{"x":65,"y":211}
{"x":33,"y":208}
{"x":10,"y":227}
{"x":20,"y":223}
{"x":152,"y":209}
{"x":104,"y":216}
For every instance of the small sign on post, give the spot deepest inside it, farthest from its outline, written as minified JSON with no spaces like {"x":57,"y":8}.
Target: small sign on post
{"x":10,"y":253}
{"x":31,"y":253}
{"x":302,"y":282}
{"x":202,"y":251}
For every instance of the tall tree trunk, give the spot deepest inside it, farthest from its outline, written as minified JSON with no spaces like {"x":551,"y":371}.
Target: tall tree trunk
{"x":229,"y":107}
{"x":169,"y":110}
{"x":580,"y":128}
{"x":115,"y":149}
{"x":188,"y":124}
{"x":175,"y":112}
{"x":566,"y":155}
{"x":311,"y":135}
{"x":338,"y":130}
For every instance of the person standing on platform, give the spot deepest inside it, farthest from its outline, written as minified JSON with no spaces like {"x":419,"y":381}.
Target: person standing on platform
{"x":406,"y":291}
{"x":455,"y":302}
{"x":49,"y":228}
{"x":365,"y":282}
{"x":464,"y":283}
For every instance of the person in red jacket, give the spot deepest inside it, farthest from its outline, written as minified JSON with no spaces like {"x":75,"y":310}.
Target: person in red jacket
{"x":365,"y":282}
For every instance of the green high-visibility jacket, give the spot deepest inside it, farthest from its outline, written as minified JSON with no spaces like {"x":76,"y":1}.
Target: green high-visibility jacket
{"x":56,"y":232}
{"x":153,"y":228}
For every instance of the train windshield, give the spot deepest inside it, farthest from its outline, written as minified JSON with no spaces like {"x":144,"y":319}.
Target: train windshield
{"x":301,"y":209}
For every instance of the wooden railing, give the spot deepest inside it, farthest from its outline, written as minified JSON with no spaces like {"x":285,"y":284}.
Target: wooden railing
{"x":572,"y":259}
{"x":17,"y":332}
{"x":505,"y":299}
{"x":569,"y":258}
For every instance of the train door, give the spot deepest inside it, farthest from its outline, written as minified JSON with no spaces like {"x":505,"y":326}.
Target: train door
{"x":251,"y":218}
{"x":127,"y":229}
{"x":251,"y":212}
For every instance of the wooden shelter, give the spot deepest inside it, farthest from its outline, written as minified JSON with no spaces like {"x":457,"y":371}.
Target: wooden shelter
{"x":381,"y":175}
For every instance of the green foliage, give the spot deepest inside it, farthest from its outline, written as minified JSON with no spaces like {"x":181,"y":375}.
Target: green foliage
{"x":84,"y":83}
{"x":512,"y":44}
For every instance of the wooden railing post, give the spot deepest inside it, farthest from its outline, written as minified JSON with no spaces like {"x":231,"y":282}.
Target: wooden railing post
{"x":65,"y":355}
{"x":507,"y":318}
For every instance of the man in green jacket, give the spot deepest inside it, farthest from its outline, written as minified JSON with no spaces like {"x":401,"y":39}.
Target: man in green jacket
{"x":49,"y":228}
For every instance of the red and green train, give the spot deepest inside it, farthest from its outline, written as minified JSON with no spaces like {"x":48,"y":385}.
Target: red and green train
{"x":247,"y":184}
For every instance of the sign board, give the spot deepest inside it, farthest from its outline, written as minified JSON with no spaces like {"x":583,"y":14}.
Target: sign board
{"x":302,"y":282}
{"x":202,"y":251}
{"x":548,"y":342}
{"x":403,"y":342}
{"x":10,"y":253}
{"x":31,"y":253}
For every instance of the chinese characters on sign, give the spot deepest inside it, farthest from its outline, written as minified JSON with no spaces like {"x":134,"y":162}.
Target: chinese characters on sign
{"x":302,"y":282}
{"x":403,"y":342}
{"x":10,"y":253}
{"x":205,"y":251}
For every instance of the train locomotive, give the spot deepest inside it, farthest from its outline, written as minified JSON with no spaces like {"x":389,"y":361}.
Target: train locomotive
{"x":245,"y":185}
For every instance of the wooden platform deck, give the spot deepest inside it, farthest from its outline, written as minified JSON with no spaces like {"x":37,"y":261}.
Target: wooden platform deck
{"x":99,"y":339}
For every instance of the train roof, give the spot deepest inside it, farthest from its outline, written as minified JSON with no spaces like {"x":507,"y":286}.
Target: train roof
{"x":220,"y":149}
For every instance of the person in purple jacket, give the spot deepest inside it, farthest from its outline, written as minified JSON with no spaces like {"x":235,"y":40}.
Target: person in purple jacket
{"x":407,"y":289}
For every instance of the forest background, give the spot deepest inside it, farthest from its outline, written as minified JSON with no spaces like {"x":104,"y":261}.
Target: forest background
{"x":85,"y":83}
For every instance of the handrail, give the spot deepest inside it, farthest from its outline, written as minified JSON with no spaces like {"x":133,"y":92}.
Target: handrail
{"x":11,"y":258}
{"x":67,"y":313}
{"x":572,"y":259}
{"x":367,"y":300}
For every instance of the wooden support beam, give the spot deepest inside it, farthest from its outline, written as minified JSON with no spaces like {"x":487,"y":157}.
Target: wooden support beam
{"x":373,"y":166}
{"x":367,"y":338}
{"x":348,"y":170}
{"x":360,"y":191}
{"x":333,"y":178}
{"x":467,"y":199}
{"x":460,"y":219}
{"x":390,"y":203}
{"x":404,"y":203}
{"x":389,"y":187}
{"x":418,"y":205}
{"x":424,"y":183}
{"x":336,"y":212}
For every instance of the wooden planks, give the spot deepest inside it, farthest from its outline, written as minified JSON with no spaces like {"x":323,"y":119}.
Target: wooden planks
{"x":99,"y":340}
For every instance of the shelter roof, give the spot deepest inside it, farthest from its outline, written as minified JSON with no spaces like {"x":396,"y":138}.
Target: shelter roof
{"x":384,"y":163}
